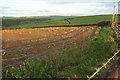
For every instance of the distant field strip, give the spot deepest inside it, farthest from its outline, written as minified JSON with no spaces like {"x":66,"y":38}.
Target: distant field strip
{"x":90,"y":19}
{"x":51,"y":23}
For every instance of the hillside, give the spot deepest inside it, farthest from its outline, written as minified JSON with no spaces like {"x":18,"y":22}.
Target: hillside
{"x":28,"y":22}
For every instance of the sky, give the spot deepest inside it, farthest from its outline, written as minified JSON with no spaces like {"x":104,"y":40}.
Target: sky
{"x":20,"y":8}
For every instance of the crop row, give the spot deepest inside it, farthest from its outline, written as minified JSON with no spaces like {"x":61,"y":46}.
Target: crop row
{"x":41,"y":34}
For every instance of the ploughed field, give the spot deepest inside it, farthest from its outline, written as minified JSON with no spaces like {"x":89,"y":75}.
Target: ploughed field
{"x":21,"y":44}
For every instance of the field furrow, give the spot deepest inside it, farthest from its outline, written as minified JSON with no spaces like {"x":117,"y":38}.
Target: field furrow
{"x":27,"y":43}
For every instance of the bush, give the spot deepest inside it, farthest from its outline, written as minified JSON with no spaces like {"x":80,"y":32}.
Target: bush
{"x":118,"y":40}
{"x":35,"y":68}
{"x":104,"y":23}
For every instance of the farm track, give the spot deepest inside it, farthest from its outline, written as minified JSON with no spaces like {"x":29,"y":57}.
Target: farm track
{"x":39,"y":49}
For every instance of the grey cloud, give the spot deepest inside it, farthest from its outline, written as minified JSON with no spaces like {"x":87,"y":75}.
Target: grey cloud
{"x":108,"y":4}
{"x":4,"y":7}
{"x":43,"y":11}
{"x":104,"y":11}
{"x":16,"y":12}
{"x":102,"y":8}
{"x":61,"y":2}
{"x":76,"y":1}
{"x":4,"y":2}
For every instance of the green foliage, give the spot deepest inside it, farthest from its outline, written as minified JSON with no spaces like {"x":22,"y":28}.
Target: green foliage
{"x":35,"y":68}
{"x":63,"y":48}
{"x":104,"y":23}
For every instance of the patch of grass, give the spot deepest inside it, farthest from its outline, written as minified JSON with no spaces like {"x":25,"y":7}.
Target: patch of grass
{"x":45,"y":24}
{"x":50,"y":23}
{"x":76,"y":63}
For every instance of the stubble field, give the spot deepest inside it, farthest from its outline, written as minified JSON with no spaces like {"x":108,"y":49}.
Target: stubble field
{"x":20,"y":44}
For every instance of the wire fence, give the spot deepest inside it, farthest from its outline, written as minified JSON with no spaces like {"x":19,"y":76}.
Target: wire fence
{"x":117,"y":30}
{"x":103,"y":66}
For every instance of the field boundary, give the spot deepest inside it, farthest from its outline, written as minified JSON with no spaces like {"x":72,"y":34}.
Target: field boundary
{"x":117,"y":30}
{"x":67,"y":26}
{"x":88,"y":16}
{"x":68,"y":21}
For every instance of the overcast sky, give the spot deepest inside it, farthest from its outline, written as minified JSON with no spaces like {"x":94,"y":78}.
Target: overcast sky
{"x":56,"y":7}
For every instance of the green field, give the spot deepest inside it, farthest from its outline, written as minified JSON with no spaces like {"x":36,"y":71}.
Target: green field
{"x":27,"y":22}
{"x":14,"y":22}
{"x":90,"y":19}
{"x":51,"y":23}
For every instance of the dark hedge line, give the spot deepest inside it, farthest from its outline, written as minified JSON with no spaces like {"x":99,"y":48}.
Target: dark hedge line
{"x":14,"y":22}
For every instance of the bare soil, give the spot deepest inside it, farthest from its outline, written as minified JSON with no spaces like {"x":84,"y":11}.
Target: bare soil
{"x":21,"y":44}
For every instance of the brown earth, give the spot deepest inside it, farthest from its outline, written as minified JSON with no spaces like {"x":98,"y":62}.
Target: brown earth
{"x":21,"y":44}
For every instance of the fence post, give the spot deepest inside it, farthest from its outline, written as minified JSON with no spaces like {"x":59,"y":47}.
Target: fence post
{"x":113,"y":21}
{"x":116,"y":74}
